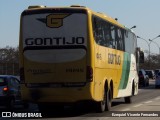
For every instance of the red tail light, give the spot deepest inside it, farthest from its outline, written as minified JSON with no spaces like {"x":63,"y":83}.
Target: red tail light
{"x":89,"y":74}
{"x":5,"y":89}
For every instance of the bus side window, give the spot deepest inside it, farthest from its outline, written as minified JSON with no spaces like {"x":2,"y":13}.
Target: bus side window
{"x":130,"y":41}
{"x":107,"y":35}
{"x":113,"y":37}
{"x":120,"y":39}
{"x":101,"y":33}
{"x":97,"y":28}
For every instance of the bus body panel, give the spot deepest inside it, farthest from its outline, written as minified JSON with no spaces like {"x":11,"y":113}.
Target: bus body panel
{"x":56,"y":52}
{"x":55,"y":55}
{"x":56,"y":94}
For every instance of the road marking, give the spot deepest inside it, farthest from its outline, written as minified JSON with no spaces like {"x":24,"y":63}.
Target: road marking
{"x":138,"y":105}
{"x":127,"y":109}
{"x":148,"y":102}
{"x":158,"y":98}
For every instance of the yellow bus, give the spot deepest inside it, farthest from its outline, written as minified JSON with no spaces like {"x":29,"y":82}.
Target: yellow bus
{"x":72,"y":54}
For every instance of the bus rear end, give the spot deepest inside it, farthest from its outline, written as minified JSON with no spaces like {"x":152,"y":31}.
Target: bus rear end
{"x":53,"y":55}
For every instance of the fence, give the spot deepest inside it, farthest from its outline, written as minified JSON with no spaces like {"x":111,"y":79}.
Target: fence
{"x":9,"y":62}
{"x":9,"y":68}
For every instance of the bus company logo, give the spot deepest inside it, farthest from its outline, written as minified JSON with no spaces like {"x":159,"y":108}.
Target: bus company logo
{"x":54,"y":20}
{"x":6,"y":114}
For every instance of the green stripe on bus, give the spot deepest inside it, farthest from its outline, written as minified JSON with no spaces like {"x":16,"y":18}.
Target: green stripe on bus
{"x":125,"y":71}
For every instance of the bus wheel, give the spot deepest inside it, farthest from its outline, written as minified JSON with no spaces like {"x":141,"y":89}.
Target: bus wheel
{"x":109,"y":100}
{"x":106,"y":103}
{"x":100,"y":106}
{"x":129,"y":98}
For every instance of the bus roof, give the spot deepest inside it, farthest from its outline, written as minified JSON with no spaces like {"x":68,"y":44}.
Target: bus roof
{"x":101,"y":15}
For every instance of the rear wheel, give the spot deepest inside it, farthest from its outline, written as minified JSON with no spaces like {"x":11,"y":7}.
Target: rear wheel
{"x":106,"y":103}
{"x":109,"y":100}
{"x":100,"y":106}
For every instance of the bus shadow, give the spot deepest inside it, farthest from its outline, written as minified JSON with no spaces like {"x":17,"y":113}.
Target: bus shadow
{"x":117,"y":103}
{"x":78,"y":111}
{"x":81,"y":110}
{"x":67,"y":112}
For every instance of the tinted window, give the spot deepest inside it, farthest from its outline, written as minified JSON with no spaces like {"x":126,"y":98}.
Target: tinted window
{"x":102,"y":32}
{"x":112,"y":36}
{"x":130,"y":42}
{"x":107,"y":34}
{"x":14,"y":82}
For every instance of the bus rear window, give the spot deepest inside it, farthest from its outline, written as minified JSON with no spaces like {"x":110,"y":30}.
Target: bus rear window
{"x":54,"y":38}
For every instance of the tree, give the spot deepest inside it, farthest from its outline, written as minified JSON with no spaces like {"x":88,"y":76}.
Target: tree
{"x":153,"y":63}
{"x":9,"y":60}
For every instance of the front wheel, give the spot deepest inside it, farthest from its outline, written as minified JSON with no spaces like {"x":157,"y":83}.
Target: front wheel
{"x":129,"y":98}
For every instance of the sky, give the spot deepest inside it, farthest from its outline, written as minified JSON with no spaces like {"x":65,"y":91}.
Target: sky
{"x":142,"y":13}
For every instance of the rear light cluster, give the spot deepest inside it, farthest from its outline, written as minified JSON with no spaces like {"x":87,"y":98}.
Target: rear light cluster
{"x":22,"y":75}
{"x":89,"y":74}
{"x":5,"y":90}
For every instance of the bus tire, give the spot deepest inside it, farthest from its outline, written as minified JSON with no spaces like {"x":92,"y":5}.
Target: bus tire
{"x":104,"y":105}
{"x":128,"y":99}
{"x":100,"y":106}
{"x":109,"y":100}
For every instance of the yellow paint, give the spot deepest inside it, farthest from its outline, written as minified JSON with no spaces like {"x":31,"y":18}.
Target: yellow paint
{"x":102,"y":71}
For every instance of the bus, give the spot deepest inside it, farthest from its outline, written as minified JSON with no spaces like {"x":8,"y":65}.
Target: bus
{"x":72,"y":54}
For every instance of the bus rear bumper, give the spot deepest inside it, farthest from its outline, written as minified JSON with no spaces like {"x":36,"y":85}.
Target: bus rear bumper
{"x":56,"y":95}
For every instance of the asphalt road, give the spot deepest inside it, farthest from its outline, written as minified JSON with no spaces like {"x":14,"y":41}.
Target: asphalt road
{"x":146,"y":102}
